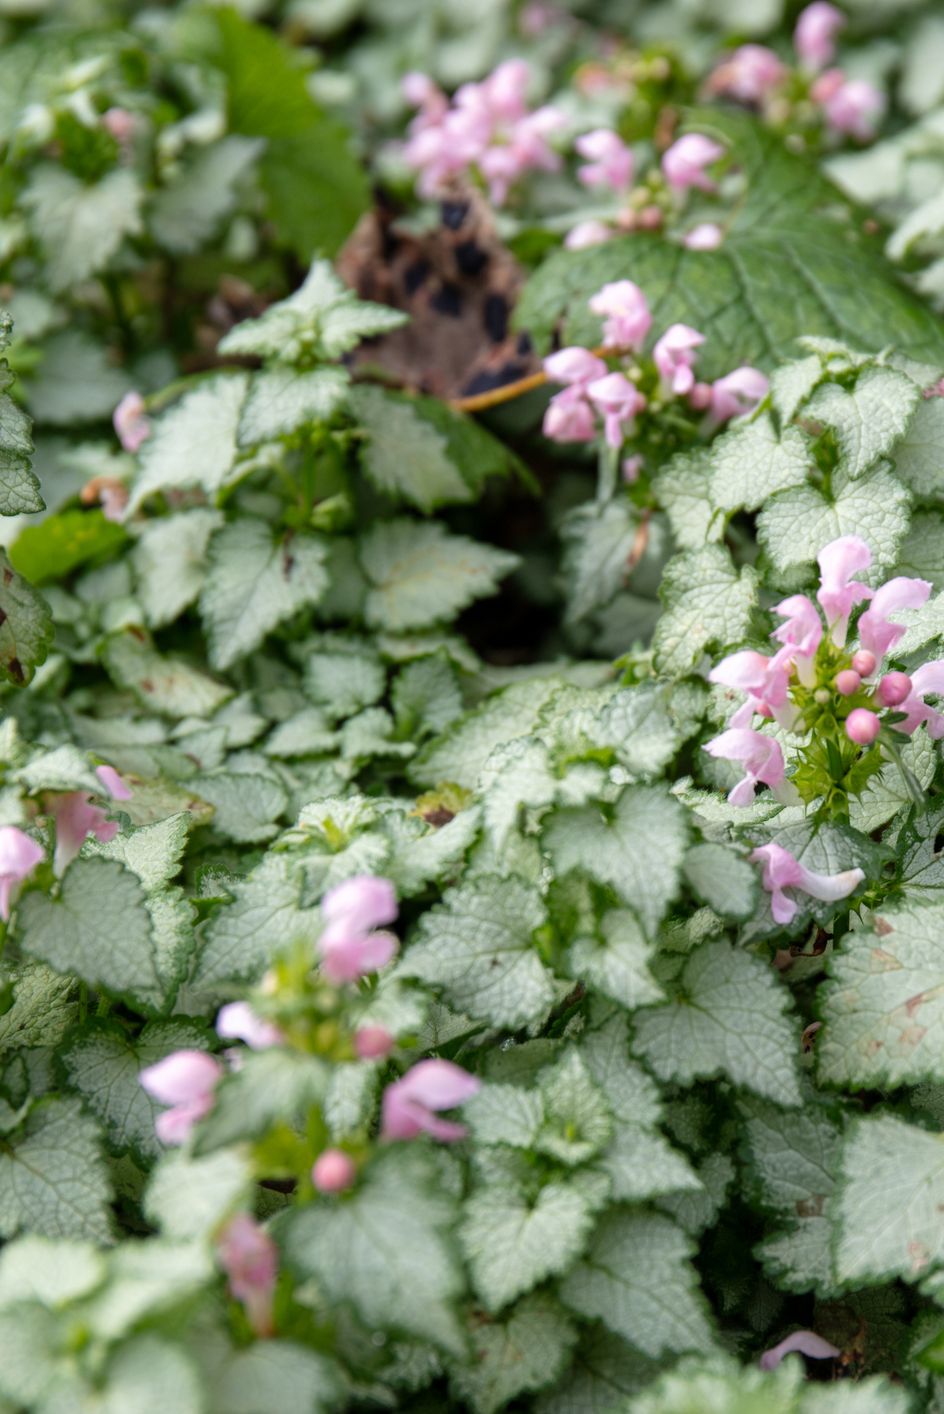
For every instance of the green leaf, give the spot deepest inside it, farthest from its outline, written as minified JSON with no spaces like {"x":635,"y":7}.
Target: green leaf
{"x":641,"y":1164}
{"x":246,"y":804}
{"x":605,"y":1368}
{"x":883,"y":1007}
{"x":52,"y":1273}
{"x":461,"y":753}
{"x":726,"y":1017}
{"x":514,"y":1239}
{"x":81,"y":227}
{"x":426,"y":695}
{"x":151,"y":1376}
{"x":386,"y":1250}
{"x":53,"y":1179}
{"x":419,"y":574}
{"x":60,"y":543}
{"x":405,"y":456}
{"x":638,"y":1280}
{"x":599,"y":545}
{"x":754,"y":461}
{"x":617,"y":961}
{"x":917,"y":457}
{"x":104,"y":1066}
{"x":577,"y":1121}
{"x":26,"y":628}
{"x":867,"y":418}
{"x":19,"y":486}
{"x":636,"y":847}
{"x":271,"y":1087}
{"x":794,"y":526}
{"x":523,"y":1352}
{"x":168,"y":685}
{"x":275,"y":1375}
{"x":280,"y":401}
{"x":478,"y":946}
{"x":169,"y":562}
{"x":188,"y":1198}
{"x":346,"y":681}
{"x":264,"y":917}
{"x":505,"y":1114}
{"x":194,"y":443}
{"x":153,"y":852}
{"x":707,"y":605}
{"x":192,"y":206}
{"x":683,"y":489}
{"x":253,"y":582}
{"x":76,"y":383}
{"x":517,"y":774}
{"x":889,"y":1204}
{"x":722,"y":879}
{"x":43,"y":1009}
{"x":98,"y":928}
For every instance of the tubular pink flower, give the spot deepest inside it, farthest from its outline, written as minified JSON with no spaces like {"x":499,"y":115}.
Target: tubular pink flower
{"x":569,"y":418}
{"x":373,"y":1043}
{"x":250,"y":1259}
{"x":238,"y":1022}
{"x":862,"y":726}
{"x":877,"y":633}
{"x":185,"y":1080}
{"x":838,"y":591}
{"x":113,"y":783}
{"x":802,"y":633}
{"x":684,"y":163}
{"x":800,"y":1342}
{"x":749,"y":74}
{"x":619,"y":401}
{"x":625,"y":313}
{"x":707,"y":235}
{"x":765,"y":680}
{"x":77,"y":818}
{"x":19,"y":856}
{"x":333,"y":1171}
{"x":760,"y":756}
{"x":780,"y":870}
{"x":737,"y":393}
{"x":851,"y":107}
{"x":409,"y":1103}
{"x":574,"y":366}
{"x":928,"y":679}
{"x":609,"y":160}
{"x":132,"y":426}
{"x":348,"y":945}
{"x":675,"y":355}
{"x":815,"y":34}
{"x":361,"y":903}
{"x":421,"y":92}
{"x":588,"y":233}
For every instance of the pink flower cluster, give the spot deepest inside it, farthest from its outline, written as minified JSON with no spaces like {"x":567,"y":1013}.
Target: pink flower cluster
{"x":753,"y":74}
{"x":811,"y":639}
{"x":487,"y":127}
{"x":593,"y":392}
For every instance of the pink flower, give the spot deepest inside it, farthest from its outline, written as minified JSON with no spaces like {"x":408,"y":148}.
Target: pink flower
{"x":250,"y":1260}
{"x":131,"y":424}
{"x":760,"y":756}
{"x":333,"y":1171}
{"x":802,"y":633}
{"x":851,"y":107}
{"x":815,"y":34}
{"x":77,"y":818}
{"x":588,"y":233}
{"x":737,"y":393}
{"x":675,"y":355}
{"x":238,"y":1022}
{"x":610,"y":161}
{"x":877,"y":633}
{"x":373,"y":1042}
{"x":349,"y":946}
{"x":625,"y":313}
{"x":618,"y":400}
{"x":684,"y":163}
{"x":120,"y":124}
{"x":569,"y":418}
{"x":765,"y":680}
{"x":574,"y":366}
{"x":113,"y":783}
{"x":421,"y":92}
{"x":631,"y":467}
{"x":800,"y":1342}
{"x":409,"y":1103}
{"x":19,"y":856}
{"x":862,"y":726}
{"x":506,"y":90}
{"x":838,"y":591}
{"x":707,"y":235}
{"x":782,"y":871}
{"x":749,"y":74}
{"x":929,"y":678}
{"x":186,"y":1081}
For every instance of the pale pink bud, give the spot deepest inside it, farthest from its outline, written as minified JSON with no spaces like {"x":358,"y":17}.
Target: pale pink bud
{"x":333,"y":1171}
{"x":113,"y":783}
{"x":760,"y":756}
{"x":625,"y":313}
{"x":894,"y":688}
{"x":588,"y":233}
{"x":862,"y":726}
{"x":928,"y":679}
{"x":574,"y":366}
{"x":851,"y":107}
{"x":610,"y":161}
{"x":684,"y":163}
{"x":409,"y":1104}
{"x":707,"y":235}
{"x":847,"y":682}
{"x":618,"y":400}
{"x":19,"y":856}
{"x":238,"y":1022}
{"x":864,"y":662}
{"x":250,"y":1260}
{"x":876,"y":631}
{"x":186,"y":1081}
{"x":838,"y":591}
{"x":131,"y":425}
{"x":815,"y":34}
{"x":569,"y":418}
{"x":373,"y":1042}
{"x":631,"y":467}
{"x":800,"y":1342}
{"x":737,"y":393}
{"x":749,"y":74}
{"x":651,"y":218}
{"x":700,"y":397}
{"x":675,"y":355}
{"x":781,"y":870}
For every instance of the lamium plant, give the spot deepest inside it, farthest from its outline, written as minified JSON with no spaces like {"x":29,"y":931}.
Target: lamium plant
{"x":472,"y":689}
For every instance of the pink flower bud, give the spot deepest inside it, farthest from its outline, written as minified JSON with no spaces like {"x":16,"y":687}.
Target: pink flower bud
{"x":894,"y":688}
{"x":333,"y":1171}
{"x":131,"y":424}
{"x":674,"y":355}
{"x":625,"y":313}
{"x":864,"y":662}
{"x":569,"y":418}
{"x":707,"y":235}
{"x":631,"y":467}
{"x":684,"y":163}
{"x":815,"y":34}
{"x":19,"y":856}
{"x":847,"y":682}
{"x":862,"y":726}
{"x":610,"y":161}
{"x":373,"y":1042}
{"x":588,"y":233}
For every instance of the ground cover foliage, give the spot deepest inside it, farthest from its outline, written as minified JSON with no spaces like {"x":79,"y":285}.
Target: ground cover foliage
{"x":504,"y":831}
